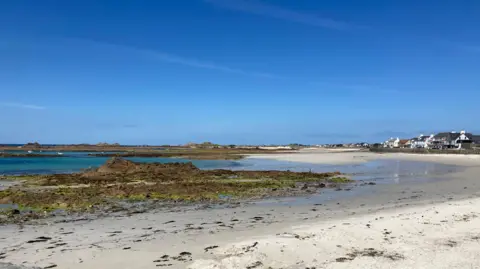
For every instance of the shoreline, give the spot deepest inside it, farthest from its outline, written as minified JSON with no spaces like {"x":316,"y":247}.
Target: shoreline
{"x":136,"y":241}
{"x":123,"y":185}
{"x":438,"y":216}
{"x":356,"y":157}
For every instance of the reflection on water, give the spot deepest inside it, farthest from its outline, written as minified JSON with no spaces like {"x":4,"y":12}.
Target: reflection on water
{"x":381,"y":171}
{"x":399,"y":171}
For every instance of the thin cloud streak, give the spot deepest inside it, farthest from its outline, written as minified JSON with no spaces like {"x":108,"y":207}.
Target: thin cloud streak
{"x":23,"y":106}
{"x":174,"y":59}
{"x":265,"y":10}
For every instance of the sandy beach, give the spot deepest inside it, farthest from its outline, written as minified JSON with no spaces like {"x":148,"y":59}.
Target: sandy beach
{"x":343,"y":156}
{"x":432,"y":224}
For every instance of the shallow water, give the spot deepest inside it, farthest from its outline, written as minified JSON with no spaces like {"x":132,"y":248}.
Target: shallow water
{"x":379,"y":171}
{"x":383,"y":171}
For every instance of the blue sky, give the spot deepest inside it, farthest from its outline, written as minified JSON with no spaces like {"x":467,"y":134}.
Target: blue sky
{"x":234,"y":71}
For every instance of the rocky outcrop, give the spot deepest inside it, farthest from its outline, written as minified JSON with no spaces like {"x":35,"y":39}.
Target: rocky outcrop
{"x":115,"y":165}
{"x":118,"y":170}
{"x":34,"y":145}
{"x":120,"y":165}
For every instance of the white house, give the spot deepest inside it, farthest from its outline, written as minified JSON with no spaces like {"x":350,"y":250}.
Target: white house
{"x":463,"y":139}
{"x":392,"y":143}
{"x":429,"y":141}
{"x":422,"y":141}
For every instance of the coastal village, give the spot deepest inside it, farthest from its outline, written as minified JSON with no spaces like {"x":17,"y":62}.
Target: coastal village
{"x":441,"y":141}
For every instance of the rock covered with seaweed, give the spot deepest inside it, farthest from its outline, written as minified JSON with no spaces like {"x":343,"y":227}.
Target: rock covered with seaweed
{"x":120,"y":180}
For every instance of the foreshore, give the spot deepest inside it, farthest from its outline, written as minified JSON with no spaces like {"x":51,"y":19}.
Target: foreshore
{"x":325,"y":156}
{"x":414,"y":225}
{"x":151,"y":152}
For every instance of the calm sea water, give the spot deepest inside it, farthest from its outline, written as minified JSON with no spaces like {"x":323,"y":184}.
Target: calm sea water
{"x":15,"y":166}
{"x":381,"y":170}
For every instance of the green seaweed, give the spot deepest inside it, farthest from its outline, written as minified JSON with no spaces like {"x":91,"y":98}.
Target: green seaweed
{"x":340,"y":180}
{"x":136,"y":182}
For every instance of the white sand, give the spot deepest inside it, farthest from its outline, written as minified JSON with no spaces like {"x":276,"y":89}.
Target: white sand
{"x":323,"y":156}
{"x":443,"y":236}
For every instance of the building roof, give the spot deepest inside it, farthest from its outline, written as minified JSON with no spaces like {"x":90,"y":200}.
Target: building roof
{"x":423,"y":137}
{"x":446,"y":136}
{"x":450,"y":136}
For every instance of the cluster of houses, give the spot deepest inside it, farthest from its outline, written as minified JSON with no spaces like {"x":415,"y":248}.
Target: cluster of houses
{"x":452,"y":140}
{"x":347,"y":145}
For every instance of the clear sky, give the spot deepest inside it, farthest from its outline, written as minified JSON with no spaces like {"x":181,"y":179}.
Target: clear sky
{"x":234,"y":71}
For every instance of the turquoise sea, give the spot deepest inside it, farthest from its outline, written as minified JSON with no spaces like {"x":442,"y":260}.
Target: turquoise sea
{"x":76,"y":161}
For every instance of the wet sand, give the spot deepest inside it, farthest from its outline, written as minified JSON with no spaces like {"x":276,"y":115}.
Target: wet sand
{"x":431,"y":224}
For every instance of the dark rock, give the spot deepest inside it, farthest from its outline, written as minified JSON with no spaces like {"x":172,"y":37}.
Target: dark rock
{"x":15,"y":212}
